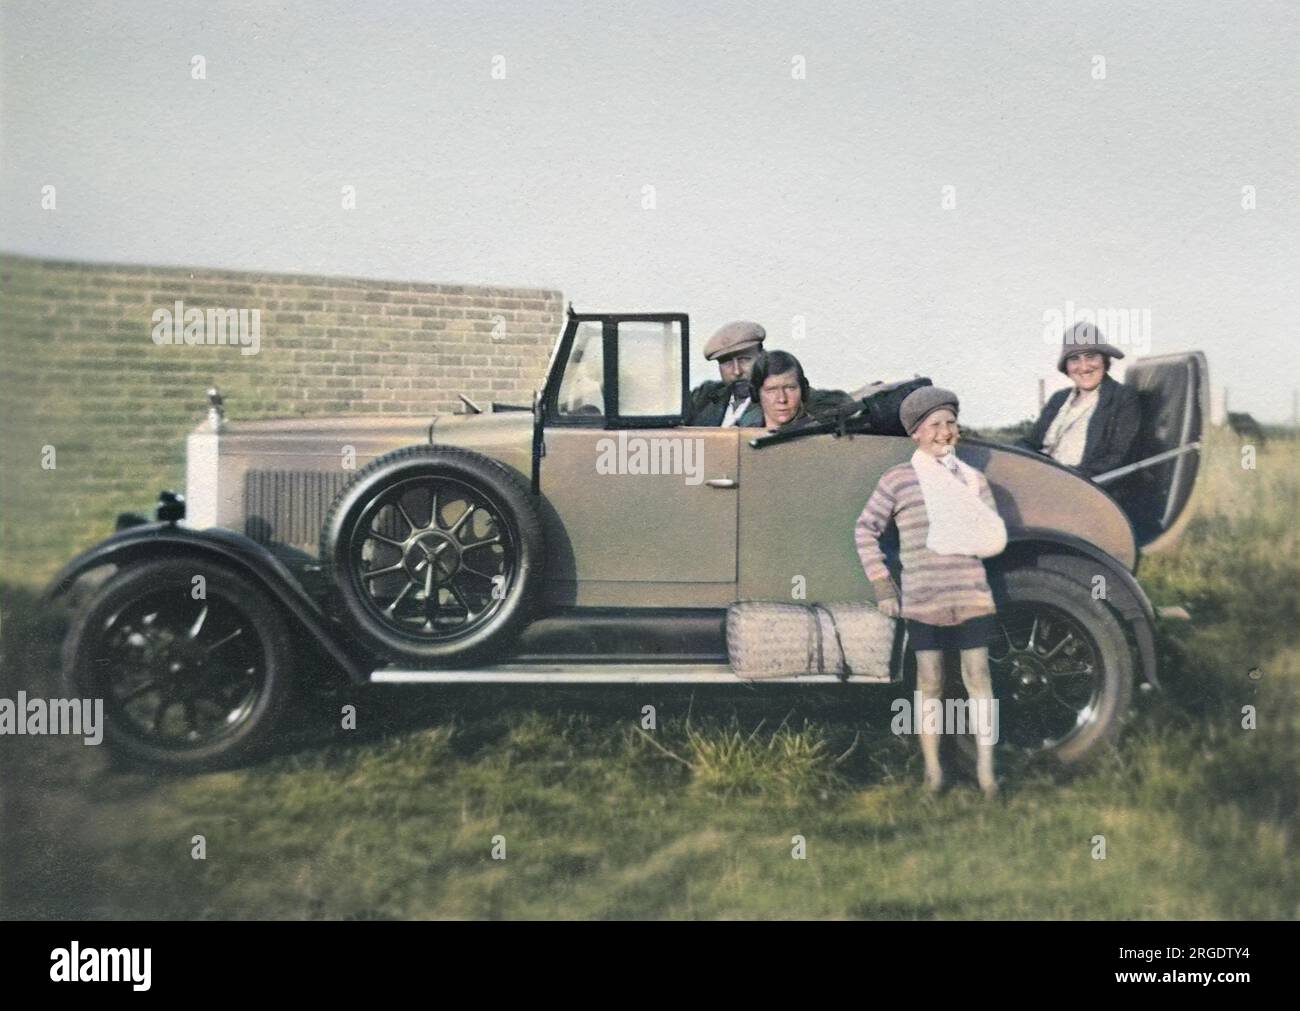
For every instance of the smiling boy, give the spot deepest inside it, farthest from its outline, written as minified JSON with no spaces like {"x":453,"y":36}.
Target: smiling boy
{"x":947,"y":523}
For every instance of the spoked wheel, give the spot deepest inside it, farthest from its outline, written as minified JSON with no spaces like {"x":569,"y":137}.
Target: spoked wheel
{"x":433,"y":557}
{"x":188,"y":678}
{"x":434,"y":552}
{"x":1061,"y":667}
{"x":1047,"y":670}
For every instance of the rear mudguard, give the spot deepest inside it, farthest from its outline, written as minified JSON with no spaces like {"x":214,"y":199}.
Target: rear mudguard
{"x":252,"y":560}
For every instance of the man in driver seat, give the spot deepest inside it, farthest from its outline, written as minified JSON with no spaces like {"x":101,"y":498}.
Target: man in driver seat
{"x":730,"y":402}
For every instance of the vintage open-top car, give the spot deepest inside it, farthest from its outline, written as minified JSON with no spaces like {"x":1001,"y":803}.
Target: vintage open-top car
{"x":592,"y":538}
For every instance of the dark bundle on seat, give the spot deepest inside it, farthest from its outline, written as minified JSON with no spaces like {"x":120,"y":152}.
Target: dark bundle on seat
{"x":874,"y":407}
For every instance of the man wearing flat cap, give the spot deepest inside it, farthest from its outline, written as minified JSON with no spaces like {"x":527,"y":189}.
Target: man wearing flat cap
{"x":730,"y":402}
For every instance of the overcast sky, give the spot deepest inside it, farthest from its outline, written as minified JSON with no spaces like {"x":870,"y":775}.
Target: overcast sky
{"x":775,"y":197}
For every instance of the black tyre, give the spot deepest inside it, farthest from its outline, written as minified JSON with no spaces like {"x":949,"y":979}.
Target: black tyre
{"x":435,"y":554}
{"x":192,"y":675}
{"x":1062,"y":670}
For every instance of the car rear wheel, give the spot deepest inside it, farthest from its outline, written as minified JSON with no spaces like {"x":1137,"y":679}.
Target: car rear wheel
{"x":192,"y":672}
{"x":1062,"y":670}
{"x":435,"y":553}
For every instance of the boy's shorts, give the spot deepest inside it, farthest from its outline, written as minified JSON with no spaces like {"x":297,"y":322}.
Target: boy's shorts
{"x":968,"y":635}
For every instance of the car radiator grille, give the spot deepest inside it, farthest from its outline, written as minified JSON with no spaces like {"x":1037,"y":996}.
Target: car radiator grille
{"x":289,"y":506}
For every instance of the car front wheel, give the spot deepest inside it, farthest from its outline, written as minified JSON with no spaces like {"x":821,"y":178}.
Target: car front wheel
{"x":189,"y":658}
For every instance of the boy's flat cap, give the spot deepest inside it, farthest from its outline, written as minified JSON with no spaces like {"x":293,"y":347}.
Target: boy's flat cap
{"x":920,"y":404}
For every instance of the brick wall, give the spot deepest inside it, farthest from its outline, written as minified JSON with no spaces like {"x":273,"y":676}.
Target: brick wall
{"x":80,"y":371}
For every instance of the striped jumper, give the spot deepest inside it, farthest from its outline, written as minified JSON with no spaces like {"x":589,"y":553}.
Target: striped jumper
{"x":937,"y":589}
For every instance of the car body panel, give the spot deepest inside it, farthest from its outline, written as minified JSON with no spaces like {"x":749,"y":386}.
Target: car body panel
{"x":800,"y":501}
{"x":627,"y":544}
{"x":1034,"y":492}
{"x":506,"y":436}
{"x":268,"y":479}
{"x":622,"y":527}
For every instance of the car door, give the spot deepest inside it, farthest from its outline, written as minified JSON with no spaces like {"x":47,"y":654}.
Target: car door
{"x":1156,"y":490}
{"x":639,"y":511}
{"x":800,"y":502}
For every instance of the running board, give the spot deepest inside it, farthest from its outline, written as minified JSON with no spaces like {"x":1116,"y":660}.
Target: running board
{"x":599,"y":674}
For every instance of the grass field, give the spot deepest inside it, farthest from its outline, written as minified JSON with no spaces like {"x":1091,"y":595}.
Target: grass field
{"x":698,"y":818}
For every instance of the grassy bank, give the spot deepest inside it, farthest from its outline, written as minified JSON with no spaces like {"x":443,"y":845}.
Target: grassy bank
{"x":698,"y":817}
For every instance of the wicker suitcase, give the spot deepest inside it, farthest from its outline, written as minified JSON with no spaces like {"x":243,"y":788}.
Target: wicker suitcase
{"x":870,"y":644}
{"x":768,"y":639}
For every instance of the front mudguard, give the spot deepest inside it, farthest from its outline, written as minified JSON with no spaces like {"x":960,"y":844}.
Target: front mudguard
{"x":253,"y":560}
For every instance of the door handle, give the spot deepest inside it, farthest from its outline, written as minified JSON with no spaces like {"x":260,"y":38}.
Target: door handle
{"x":721,"y":482}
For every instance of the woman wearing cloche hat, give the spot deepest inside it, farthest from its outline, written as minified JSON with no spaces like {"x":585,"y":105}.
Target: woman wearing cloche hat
{"x":1094,"y":426}
{"x":947,"y":523}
